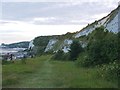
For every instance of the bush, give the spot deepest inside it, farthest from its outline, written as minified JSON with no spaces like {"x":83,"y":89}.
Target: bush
{"x":83,"y":60}
{"x":75,"y":49}
{"x":110,"y":71}
{"x":60,"y":55}
{"x":103,"y":47}
{"x":103,"y":52}
{"x":95,"y":53}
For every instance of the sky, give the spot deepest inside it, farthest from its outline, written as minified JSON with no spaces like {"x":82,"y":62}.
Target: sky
{"x":23,"y":20}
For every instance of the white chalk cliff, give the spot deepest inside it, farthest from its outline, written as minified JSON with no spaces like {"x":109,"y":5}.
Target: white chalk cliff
{"x":50,"y":45}
{"x":31,"y":45}
{"x":111,"y":22}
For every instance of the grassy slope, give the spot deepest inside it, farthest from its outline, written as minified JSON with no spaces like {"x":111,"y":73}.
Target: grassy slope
{"x":43,"y":72}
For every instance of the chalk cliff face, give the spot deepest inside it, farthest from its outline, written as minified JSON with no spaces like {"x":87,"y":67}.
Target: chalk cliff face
{"x":50,"y":45}
{"x":66,"y":45}
{"x":111,"y":22}
{"x":112,"y":26}
{"x":31,"y":45}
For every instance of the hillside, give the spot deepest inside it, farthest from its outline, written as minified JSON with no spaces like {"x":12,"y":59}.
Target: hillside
{"x":63,"y":42}
{"x":17,"y":45}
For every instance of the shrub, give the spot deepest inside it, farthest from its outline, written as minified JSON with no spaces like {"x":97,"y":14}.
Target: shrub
{"x":95,"y":53}
{"x":81,"y":60}
{"x":103,"y":47}
{"x":60,"y":55}
{"x":110,"y":71}
{"x":75,"y":49}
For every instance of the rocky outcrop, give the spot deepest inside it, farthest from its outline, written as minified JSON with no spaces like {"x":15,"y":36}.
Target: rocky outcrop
{"x":50,"y":45}
{"x":66,"y":45}
{"x":31,"y":45}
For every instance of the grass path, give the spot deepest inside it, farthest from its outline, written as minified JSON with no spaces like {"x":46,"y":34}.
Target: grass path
{"x":42,"y":78}
{"x":55,"y":74}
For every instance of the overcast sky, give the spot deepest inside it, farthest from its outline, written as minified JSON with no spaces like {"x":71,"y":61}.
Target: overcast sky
{"x":22,"y":21}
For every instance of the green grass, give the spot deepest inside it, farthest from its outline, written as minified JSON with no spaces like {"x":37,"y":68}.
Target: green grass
{"x":71,"y":76}
{"x":41,"y":72}
{"x":13,"y":73}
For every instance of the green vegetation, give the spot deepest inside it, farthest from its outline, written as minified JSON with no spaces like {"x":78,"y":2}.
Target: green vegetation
{"x":96,"y":65}
{"x":102,"y":50}
{"x":41,"y":43}
{"x":60,"y":55}
{"x":44,"y":72}
{"x":13,"y":73}
{"x":75,"y":49}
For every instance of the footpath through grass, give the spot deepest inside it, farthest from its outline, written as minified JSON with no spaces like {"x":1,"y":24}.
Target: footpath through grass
{"x":41,"y":72}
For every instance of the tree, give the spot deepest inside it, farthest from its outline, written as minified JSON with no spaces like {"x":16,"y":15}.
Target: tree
{"x":75,"y":49}
{"x":103,"y":47}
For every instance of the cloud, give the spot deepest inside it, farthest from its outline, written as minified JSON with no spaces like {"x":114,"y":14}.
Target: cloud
{"x":43,"y":20}
{"x":82,"y":22}
{"x":26,"y":19}
{"x":26,"y":27}
{"x":62,"y":12}
{"x":60,"y":0}
{"x":22,"y":31}
{"x":97,"y":17}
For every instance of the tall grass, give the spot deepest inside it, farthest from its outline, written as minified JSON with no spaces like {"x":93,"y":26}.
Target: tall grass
{"x":68,"y":75}
{"x":41,"y":72}
{"x":13,"y":73}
